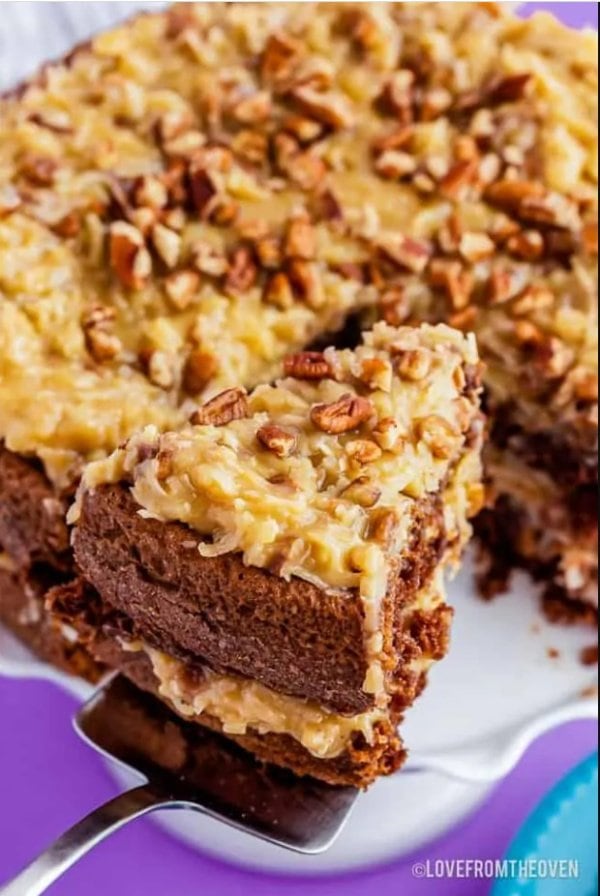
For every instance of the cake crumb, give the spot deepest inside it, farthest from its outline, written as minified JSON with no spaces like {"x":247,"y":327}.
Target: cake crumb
{"x":589,"y":655}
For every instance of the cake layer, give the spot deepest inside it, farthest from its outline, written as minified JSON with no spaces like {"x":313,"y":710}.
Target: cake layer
{"x":22,"y":611}
{"x":275,"y":727}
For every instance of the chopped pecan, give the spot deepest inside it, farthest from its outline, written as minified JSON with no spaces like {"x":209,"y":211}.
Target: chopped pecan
{"x":252,"y":109}
{"x":333,"y":109}
{"x":454,"y":279}
{"x":394,"y":164}
{"x":97,"y":323}
{"x":376,"y":373}
{"x":397,"y":95}
{"x":362,"y":451}
{"x":343,"y":415}
{"x":224,"y":212}
{"x":413,"y":364}
{"x":268,"y":252}
{"x":160,"y":367}
{"x":243,"y":271}
{"x":527,"y":334}
{"x":434,"y":103}
{"x":526,"y":244}
{"x":129,"y":257}
{"x":362,"y":491}
{"x":150,"y":191}
{"x":172,"y":124}
{"x":307,"y":366}
{"x":439,"y":435}
{"x":39,"y":170}
{"x":508,"y":88}
{"x":510,"y":194}
{"x":181,"y":287}
{"x":208,"y":260}
{"x":553,"y":357}
{"x":396,"y":139}
{"x":394,"y":306}
{"x":386,"y":433}
{"x":251,"y":146}
{"x":406,"y":251}
{"x":278,"y":291}
{"x":464,"y":320}
{"x":533,"y":298}
{"x":167,"y":244}
{"x":300,"y":238}
{"x":459,"y":178}
{"x":475,"y":246}
{"x":383,"y":525}
{"x":198,"y":370}
{"x":231,"y":404}
{"x":503,"y":285}
{"x":278,"y":440}
{"x":553,"y":209}
{"x":304,"y":129}
{"x":279,"y":57}
{"x":204,"y":190}
{"x":68,"y":226}
{"x":306,"y":170}
{"x":306,"y":282}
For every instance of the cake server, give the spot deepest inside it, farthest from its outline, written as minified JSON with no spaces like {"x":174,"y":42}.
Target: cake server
{"x":185,"y":767}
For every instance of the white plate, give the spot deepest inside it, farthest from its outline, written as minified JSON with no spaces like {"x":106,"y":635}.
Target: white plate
{"x":510,"y":675}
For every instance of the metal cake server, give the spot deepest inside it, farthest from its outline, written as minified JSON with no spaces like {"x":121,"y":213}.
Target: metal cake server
{"x":186,"y":767}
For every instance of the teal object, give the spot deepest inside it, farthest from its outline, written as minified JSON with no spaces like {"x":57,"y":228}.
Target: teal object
{"x":564,"y":825}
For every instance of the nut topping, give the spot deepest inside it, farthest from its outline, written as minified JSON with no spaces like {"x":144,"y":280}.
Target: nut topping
{"x":242,"y":272}
{"x":231,"y":404}
{"x":278,"y":291}
{"x":414,"y":364}
{"x":181,"y":287}
{"x":278,"y":440}
{"x":330,"y":108}
{"x":343,"y":415}
{"x":439,"y":435}
{"x":362,"y":451}
{"x":198,"y":370}
{"x":307,"y":366}
{"x":300,"y":239}
{"x":97,"y":324}
{"x":129,"y":258}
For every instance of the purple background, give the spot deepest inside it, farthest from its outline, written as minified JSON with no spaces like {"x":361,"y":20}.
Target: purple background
{"x":49,"y":779}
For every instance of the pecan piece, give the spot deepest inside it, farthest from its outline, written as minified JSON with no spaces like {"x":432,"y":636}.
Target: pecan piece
{"x":181,"y":287}
{"x":198,"y":370}
{"x":393,"y":164}
{"x":101,"y":343}
{"x":459,"y":178}
{"x":362,"y":491}
{"x":305,"y":279}
{"x":526,"y":244}
{"x":439,"y":435}
{"x":510,"y":194}
{"x":396,"y":139}
{"x":167,"y":244}
{"x":208,"y":260}
{"x":328,"y":107}
{"x":129,"y":257}
{"x":203,"y":189}
{"x":363,"y":451}
{"x":253,"y":109}
{"x":343,"y":415}
{"x":397,"y":95}
{"x":300,"y":238}
{"x":413,"y":364}
{"x":475,"y":246}
{"x":278,"y":291}
{"x":278,"y":440}
{"x":39,"y":170}
{"x":589,"y":237}
{"x":406,"y":252}
{"x":454,"y":279}
{"x":243,"y":272}
{"x":307,"y":366}
{"x":231,"y":404}
{"x":279,"y":57}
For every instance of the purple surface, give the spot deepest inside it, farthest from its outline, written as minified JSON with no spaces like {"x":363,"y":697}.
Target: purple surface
{"x":49,"y":779}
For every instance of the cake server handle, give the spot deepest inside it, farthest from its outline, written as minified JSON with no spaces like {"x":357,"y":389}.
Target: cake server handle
{"x":84,"y":835}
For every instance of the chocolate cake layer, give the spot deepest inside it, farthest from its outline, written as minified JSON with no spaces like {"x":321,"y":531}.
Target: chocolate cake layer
{"x":295,"y":637}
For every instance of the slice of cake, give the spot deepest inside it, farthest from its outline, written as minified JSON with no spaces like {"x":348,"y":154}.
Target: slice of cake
{"x":274,"y":569}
